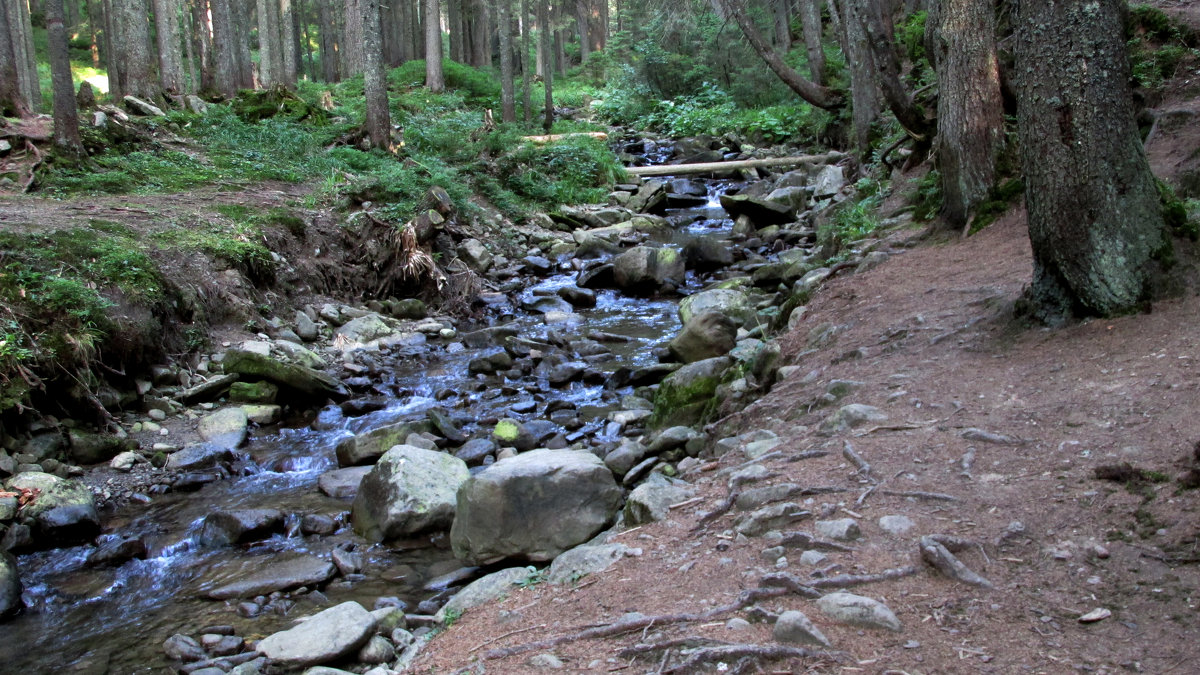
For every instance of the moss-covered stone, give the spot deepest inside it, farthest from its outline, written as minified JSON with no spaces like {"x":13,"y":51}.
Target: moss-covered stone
{"x":253,"y":392}
{"x":685,"y":395}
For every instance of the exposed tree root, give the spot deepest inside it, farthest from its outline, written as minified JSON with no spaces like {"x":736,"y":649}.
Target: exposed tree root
{"x":940,"y":558}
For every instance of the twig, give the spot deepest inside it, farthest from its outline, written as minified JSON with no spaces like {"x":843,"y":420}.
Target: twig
{"x":508,"y":634}
{"x":688,"y":502}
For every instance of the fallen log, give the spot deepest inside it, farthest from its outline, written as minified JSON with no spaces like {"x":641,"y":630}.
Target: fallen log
{"x":542,"y":140}
{"x":713,"y":167}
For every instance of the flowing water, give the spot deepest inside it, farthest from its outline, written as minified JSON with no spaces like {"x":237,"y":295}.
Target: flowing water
{"x":87,"y":620}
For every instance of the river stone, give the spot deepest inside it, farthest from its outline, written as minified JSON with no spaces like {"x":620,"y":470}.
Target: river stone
{"x":533,"y":506}
{"x":625,"y":456}
{"x":410,"y":490}
{"x":761,"y":212}
{"x":326,"y":636}
{"x":793,"y":627}
{"x":684,"y":395}
{"x":368,"y":446}
{"x":475,"y":255}
{"x":793,"y":197}
{"x":253,"y":392}
{"x":580,"y":561}
{"x":851,"y":416}
{"x":364,"y":329}
{"x":10,"y":584}
{"x":704,"y":336}
{"x":858,"y":610}
{"x":183,"y":648}
{"x":644,"y":269}
{"x":842,"y":529}
{"x":140,"y":107}
{"x":262,"y":414}
{"x":64,"y":511}
{"x":578,"y":297}
{"x":342,"y":483}
{"x":652,"y":500}
{"x":124,"y":461}
{"x":732,"y":303}
{"x":209,"y":390}
{"x":482,"y":590}
{"x":474,"y":451}
{"x":264,"y":575}
{"x":89,"y":448}
{"x":377,"y":650}
{"x":828,"y":182}
{"x":225,"y":428}
{"x":445,"y":425}
{"x":226,"y":528}
{"x":300,"y":381}
{"x":199,"y":456}
{"x":306,"y":328}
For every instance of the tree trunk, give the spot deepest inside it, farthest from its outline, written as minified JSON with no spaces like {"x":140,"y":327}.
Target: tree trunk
{"x":435,"y":79}
{"x":226,"y":77}
{"x":970,"y":112}
{"x":875,"y":18}
{"x":290,"y":63}
{"x":241,"y":42}
{"x":352,"y":40}
{"x":95,"y":10}
{"x":560,"y":49}
{"x":582,"y":13}
{"x":454,"y":29}
{"x":547,"y":74}
{"x":379,"y":126}
{"x":268,"y":43}
{"x":329,"y":40}
{"x":508,"y":107}
{"x":113,"y":60}
{"x":810,"y":16}
{"x":66,"y":115}
{"x":137,"y":75}
{"x":24,"y":63}
{"x":202,"y":37}
{"x":782,"y":15}
{"x":864,"y":93}
{"x":170,"y":56}
{"x":813,"y":93}
{"x":189,"y":29}
{"x":12,"y":99}
{"x":1095,"y":220}
{"x":481,"y":35}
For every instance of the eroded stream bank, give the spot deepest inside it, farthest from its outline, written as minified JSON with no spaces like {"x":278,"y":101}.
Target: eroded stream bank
{"x":576,"y":344}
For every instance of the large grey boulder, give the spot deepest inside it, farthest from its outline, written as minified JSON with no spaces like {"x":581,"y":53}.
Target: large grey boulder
{"x":645,"y":269}
{"x":686,"y":394}
{"x":828,"y":182}
{"x":226,"y":428}
{"x":225,"y":528}
{"x":533,"y":506}
{"x":63,"y":512}
{"x":761,"y":212}
{"x":364,"y":329}
{"x":580,"y":561}
{"x":326,"y":636}
{"x":652,"y":500}
{"x":199,"y":456}
{"x":410,"y":490}
{"x":858,"y":610}
{"x":732,"y":303}
{"x":10,"y":585}
{"x":300,"y":381}
{"x":342,"y":483}
{"x":704,"y":336}
{"x":368,"y":446}
{"x":89,"y":448}
{"x":267,"y":574}
{"x":475,"y":255}
{"x":483,"y":590}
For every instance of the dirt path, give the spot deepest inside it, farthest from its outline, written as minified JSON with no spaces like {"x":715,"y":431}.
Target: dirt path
{"x":926,"y":337}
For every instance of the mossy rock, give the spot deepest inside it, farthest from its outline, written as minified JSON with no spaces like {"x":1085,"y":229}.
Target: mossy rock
{"x":253,"y":392}
{"x":686,"y":395}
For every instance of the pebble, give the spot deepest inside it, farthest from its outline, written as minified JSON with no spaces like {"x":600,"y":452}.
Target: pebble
{"x":546,"y":660}
{"x":151,"y":427}
{"x":1098,"y":614}
{"x":813,"y":558}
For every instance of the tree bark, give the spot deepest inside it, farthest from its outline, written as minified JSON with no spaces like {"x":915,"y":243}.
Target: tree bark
{"x":203,"y":46}
{"x":810,"y":17}
{"x":137,"y":74}
{"x":582,"y":13}
{"x":526,"y":73}
{"x":95,"y":10}
{"x":329,"y":38}
{"x":1095,"y":220}
{"x":864,"y":93}
{"x":352,"y":43}
{"x":20,"y":39}
{"x":66,"y":115}
{"x":268,"y":43}
{"x":815,"y":94}
{"x":875,"y":18}
{"x":508,"y":107}
{"x":226,"y":77}
{"x":241,"y":42}
{"x":548,"y":72}
{"x":170,"y":52}
{"x":379,"y":125}
{"x":970,"y":111}
{"x":481,"y":34}
{"x":782,"y":15}
{"x":288,"y":36}
{"x":12,"y":99}
{"x":435,"y":79}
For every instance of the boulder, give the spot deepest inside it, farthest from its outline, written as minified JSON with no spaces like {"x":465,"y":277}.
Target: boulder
{"x":793,"y":627}
{"x":649,"y":198}
{"x":645,"y":269}
{"x":684,"y":395}
{"x":578,"y":297}
{"x":704,"y":336}
{"x":10,"y":585}
{"x":209,"y":390}
{"x":306,"y":328}
{"x":326,"y":636}
{"x":858,"y":610}
{"x":408,"y":308}
{"x":301,"y":381}
{"x":199,"y":456}
{"x":828,"y":182}
{"x":793,"y":197}
{"x":482,"y":590}
{"x":707,"y":253}
{"x":364,"y":329}
{"x":652,"y":500}
{"x":225,"y":428}
{"x":140,"y":107}
{"x":62,"y":513}
{"x":533,"y":506}
{"x":264,"y":575}
{"x":581,"y":561}
{"x":475,"y":255}
{"x":732,"y":303}
{"x":474,"y":451}
{"x":368,"y":446}
{"x":761,"y":212}
{"x":89,"y":448}
{"x":410,"y":490}
{"x":253,"y":392}
{"x":226,"y":528}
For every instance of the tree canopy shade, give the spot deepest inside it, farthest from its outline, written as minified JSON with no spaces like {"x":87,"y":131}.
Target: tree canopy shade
{"x":1095,"y":219}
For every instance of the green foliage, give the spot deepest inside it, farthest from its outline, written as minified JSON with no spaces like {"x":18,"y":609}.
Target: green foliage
{"x":999,"y":200}
{"x":574,"y":170}
{"x":1157,"y":44}
{"x":853,"y":220}
{"x":927,"y":203}
{"x":1180,"y":216}
{"x":239,"y":245}
{"x":478,"y":87}
{"x":910,"y":33}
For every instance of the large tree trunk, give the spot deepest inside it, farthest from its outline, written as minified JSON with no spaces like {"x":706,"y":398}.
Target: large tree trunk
{"x":526,"y":73}
{"x":352,"y":42}
{"x":189,"y":52}
{"x":782,"y":15}
{"x":875,"y":18}
{"x":170,"y":52}
{"x":329,"y":37}
{"x":24,"y":64}
{"x":865,"y":100}
{"x":582,"y":13}
{"x":12,"y":99}
{"x":970,"y":113}
{"x":202,"y":44}
{"x":508,"y":107}
{"x":379,"y":125}
{"x":481,"y":35}
{"x":1095,"y":220}
{"x":813,"y":93}
{"x":95,"y":10}
{"x":810,"y":16}
{"x":241,"y":42}
{"x":435,"y":79}
{"x":66,"y":115}
{"x":269,"y":47}
{"x":226,"y":77}
{"x":137,"y":75}
{"x":454,"y":29}
{"x":290,"y":61}
{"x":548,"y":72}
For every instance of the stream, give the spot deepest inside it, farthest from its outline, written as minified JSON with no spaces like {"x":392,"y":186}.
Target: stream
{"x":84,"y":619}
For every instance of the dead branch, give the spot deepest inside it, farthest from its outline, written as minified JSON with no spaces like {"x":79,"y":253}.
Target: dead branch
{"x":508,"y":634}
{"x":790,"y":582}
{"x":849,"y":580}
{"x":864,"y":468}
{"x":932,"y":496}
{"x":689,"y":642}
{"x":711,"y":167}
{"x":718,"y":510}
{"x":948,"y":564}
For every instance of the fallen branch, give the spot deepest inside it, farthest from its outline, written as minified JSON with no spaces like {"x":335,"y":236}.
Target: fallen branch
{"x":941,"y":559}
{"x":854,"y":458}
{"x":542,"y":140}
{"x":731,"y":652}
{"x":745,"y":599}
{"x":849,"y":580}
{"x":805,"y":540}
{"x":716,"y":167}
{"x":501,"y":637}
{"x":933,"y":496}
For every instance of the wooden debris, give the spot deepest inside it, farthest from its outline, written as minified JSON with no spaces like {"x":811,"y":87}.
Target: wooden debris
{"x":982,"y":436}
{"x":550,"y":138}
{"x":720,"y":167}
{"x":916,"y":494}
{"x":941,"y":559}
{"x":850,"y":580}
{"x":864,"y":468}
